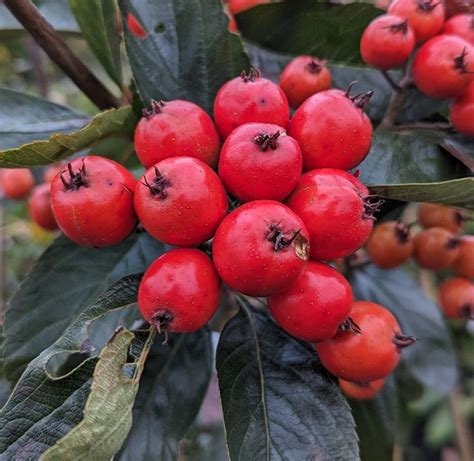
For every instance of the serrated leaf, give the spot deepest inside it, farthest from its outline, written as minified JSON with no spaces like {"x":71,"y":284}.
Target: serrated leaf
{"x":65,"y":279}
{"x":43,"y":408}
{"x":278,"y":401}
{"x":98,"y":22}
{"x":108,"y":410}
{"x":188,"y":52}
{"x":418,"y":316}
{"x":174,"y":382}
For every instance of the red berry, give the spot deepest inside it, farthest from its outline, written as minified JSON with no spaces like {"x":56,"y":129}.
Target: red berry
{"x":443,"y":67}
{"x":39,"y":207}
{"x":338,"y":216}
{"x":174,"y":129}
{"x":250,"y":98}
{"x":302,"y":77}
{"x":260,"y":248}
{"x":180,"y":291}
{"x":461,"y":25}
{"x":332,"y":130}
{"x":259,"y":161}
{"x":361,"y":391}
{"x":135,"y":27}
{"x":237,"y":6}
{"x":435,"y":248}
{"x":315,"y":305}
{"x":464,"y":262}
{"x":426,"y":17}
{"x":92,"y":200}
{"x":436,"y":215}
{"x":368,"y":349}
{"x":17,"y":183}
{"x":387,"y":42}
{"x":456,"y":297}
{"x":180,"y":201}
{"x":461,"y":112}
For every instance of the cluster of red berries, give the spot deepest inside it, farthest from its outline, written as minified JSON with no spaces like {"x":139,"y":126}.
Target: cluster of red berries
{"x":443,"y":66}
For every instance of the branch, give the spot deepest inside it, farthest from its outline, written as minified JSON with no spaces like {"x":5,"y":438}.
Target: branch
{"x":60,"y":53}
{"x":424,"y":126}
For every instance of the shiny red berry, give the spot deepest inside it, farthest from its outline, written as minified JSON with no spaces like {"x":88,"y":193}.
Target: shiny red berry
{"x":174,"y":129}
{"x":135,"y":27}
{"x":260,"y":248}
{"x":260,"y":161}
{"x":39,"y":207}
{"x":435,"y":248}
{"x":180,"y":291}
{"x":180,"y":201}
{"x":461,"y":25}
{"x":461,"y":112}
{"x":315,"y":305}
{"x":250,"y":98}
{"x":456,"y":296}
{"x":464,"y":262}
{"x":17,"y":183}
{"x":332,"y":130}
{"x":92,"y":201}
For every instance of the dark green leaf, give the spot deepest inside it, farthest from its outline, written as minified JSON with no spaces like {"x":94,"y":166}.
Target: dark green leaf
{"x":171,"y":390}
{"x":188,"y":52}
{"x":432,"y":360}
{"x":278,"y":401}
{"x":65,"y":280}
{"x":98,"y":22}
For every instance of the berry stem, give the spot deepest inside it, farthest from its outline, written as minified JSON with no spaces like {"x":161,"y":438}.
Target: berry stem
{"x":402,"y":341}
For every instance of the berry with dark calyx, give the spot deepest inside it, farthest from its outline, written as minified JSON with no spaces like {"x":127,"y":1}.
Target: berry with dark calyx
{"x":17,"y":183}
{"x":250,"y":98}
{"x":456,"y":296}
{"x":361,"y":391}
{"x":338,"y":213}
{"x":237,"y":6}
{"x":371,"y":354}
{"x":315,"y":305}
{"x":461,"y":112}
{"x":135,"y":27}
{"x":426,"y":17}
{"x":435,"y":215}
{"x":180,"y":291}
{"x":464,"y":262}
{"x":443,"y":67}
{"x":92,"y":201}
{"x":260,"y":161}
{"x":261,"y":248}
{"x":332,"y":129}
{"x":180,"y":201}
{"x":435,"y":248}
{"x":304,"y":76}
{"x":387,"y":42}
{"x":461,"y":25}
{"x":174,"y":129}
{"x":39,"y":207}
{"x":390,"y":245}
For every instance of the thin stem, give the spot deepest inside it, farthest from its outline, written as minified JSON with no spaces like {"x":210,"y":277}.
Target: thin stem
{"x":60,"y":53}
{"x":424,"y":126}
{"x":390,"y":80}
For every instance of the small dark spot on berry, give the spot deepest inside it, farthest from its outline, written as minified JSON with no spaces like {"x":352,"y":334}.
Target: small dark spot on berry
{"x":262,"y":101}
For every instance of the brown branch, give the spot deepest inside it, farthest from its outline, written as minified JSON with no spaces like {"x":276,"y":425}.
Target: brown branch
{"x":60,"y":53}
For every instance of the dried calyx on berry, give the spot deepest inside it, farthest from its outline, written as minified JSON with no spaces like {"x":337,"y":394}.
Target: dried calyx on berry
{"x":76,"y":180}
{"x":350,"y":326}
{"x":162,"y":319}
{"x":250,"y":76}
{"x":280,"y":241}
{"x":399,"y":27}
{"x":467,"y":311}
{"x":425,"y":6}
{"x":159,"y":184}
{"x":267,"y":141}
{"x":402,"y":232}
{"x":460,"y":63}
{"x":360,"y":100}
{"x":315,"y":66}
{"x":372,"y":204}
{"x":155,"y":108}
{"x":402,"y":341}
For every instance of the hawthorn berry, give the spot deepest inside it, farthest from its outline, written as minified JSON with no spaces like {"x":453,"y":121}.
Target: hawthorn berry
{"x":464,"y":262}
{"x":443,"y":67}
{"x":92,"y":201}
{"x":361,"y":391}
{"x":260,"y":161}
{"x":390,"y":245}
{"x":302,"y":77}
{"x":237,"y":6}
{"x":425,"y":17}
{"x":250,"y":98}
{"x":174,"y":129}
{"x":367,"y":347}
{"x":180,"y":291}
{"x":338,"y":215}
{"x":39,"y":207}
{"x":456,"y":296}
{"x":461,"y":112}
{"x":260,"y":248}
{"x":434,"y":215}
{"x":435,"y":248}
{"x":180,"y":201}
{"x":135,"y":27}
{"x":332,"y":130}
{"x":461,"y":25}
{"x":17,"y":183}
{"x":313,"y":307}
{"x":387,"y":42}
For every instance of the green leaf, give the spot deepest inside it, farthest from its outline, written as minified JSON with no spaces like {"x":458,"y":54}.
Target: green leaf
{"x":312,"y":27}
{"x":188,"y":52}
{"x":98,"y":22}
{"x":65,"y":280}
{"x":108,"y":411}
{"x":108,"y":123}
{"x":278,"y":401}
{"x":418,"y":316}
{"x":43,"y":408}
{"x":172,"y":388}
